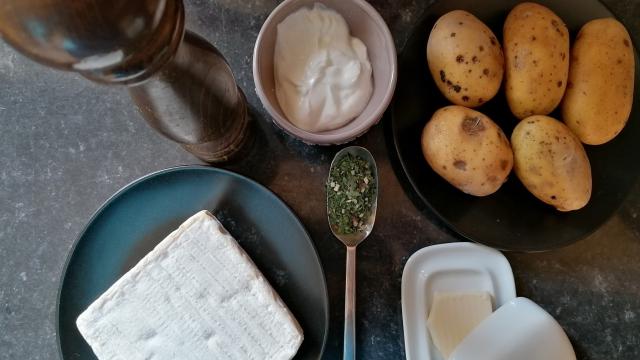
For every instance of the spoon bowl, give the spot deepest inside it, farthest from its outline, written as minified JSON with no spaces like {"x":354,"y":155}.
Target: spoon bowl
{"x":351,"y":241}
{"x":357,"y":238}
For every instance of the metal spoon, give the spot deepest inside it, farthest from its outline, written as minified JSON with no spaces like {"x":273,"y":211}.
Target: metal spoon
{"x":352,"y":241}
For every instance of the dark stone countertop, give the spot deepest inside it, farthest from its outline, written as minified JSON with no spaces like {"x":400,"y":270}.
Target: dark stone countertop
{"x":68,"y":144}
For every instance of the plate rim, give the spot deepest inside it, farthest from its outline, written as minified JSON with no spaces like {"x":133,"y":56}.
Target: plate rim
{"x":392,"y":137}
{"x":153,"y":174}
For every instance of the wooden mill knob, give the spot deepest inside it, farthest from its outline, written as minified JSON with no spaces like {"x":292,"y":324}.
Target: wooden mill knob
{"x":110,"y":41}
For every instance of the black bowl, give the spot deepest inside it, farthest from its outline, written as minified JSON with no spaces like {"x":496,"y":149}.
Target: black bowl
{"x":512,"y":218}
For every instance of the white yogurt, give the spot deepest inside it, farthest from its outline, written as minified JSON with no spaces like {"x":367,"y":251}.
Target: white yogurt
{"x":322,"y":73}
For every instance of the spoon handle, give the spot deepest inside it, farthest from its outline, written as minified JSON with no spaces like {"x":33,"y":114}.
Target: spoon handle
{"x":349,"y":349}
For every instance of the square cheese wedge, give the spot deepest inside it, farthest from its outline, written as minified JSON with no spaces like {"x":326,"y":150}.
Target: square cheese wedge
{"x":197,"y":295}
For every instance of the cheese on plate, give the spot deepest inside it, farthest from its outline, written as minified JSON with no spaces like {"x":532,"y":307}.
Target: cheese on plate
{"x":197,"y":295}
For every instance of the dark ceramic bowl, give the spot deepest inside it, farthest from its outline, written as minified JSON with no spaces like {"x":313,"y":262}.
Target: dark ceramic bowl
{"x":512,"y":218}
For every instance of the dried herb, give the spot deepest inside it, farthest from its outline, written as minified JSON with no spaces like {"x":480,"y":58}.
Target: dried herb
{"x":350,"y":194}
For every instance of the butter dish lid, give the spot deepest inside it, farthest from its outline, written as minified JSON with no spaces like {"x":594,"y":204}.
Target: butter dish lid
{"x":520,"y":329}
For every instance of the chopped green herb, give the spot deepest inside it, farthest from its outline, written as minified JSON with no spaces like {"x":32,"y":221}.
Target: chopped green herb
{"x":350,"y":194}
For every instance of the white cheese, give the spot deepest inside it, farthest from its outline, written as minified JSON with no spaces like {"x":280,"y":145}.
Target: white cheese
{"x":197,"y":295}
{"x":454,"y":315}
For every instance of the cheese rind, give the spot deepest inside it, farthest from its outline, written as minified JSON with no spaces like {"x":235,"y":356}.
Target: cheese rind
{"x":454,"y":315}
{"x":197,"y":295}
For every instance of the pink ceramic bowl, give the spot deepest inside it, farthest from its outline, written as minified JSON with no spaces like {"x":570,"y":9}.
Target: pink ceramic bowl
{"x":366,"y":24}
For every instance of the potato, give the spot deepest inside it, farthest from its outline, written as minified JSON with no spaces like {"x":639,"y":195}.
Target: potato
{"x":467,"y":149}
{"x":465,"y":59}
{"x":599,"y":94}
{"x":551,"y":162}
{"x":536,"y":46}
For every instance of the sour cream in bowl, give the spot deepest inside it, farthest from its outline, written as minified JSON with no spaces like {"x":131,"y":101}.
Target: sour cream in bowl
{"x":325,"y":70}
{"x":322,"y":73}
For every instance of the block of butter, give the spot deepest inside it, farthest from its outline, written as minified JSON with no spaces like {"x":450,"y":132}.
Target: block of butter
{"x":197,"y":295}
{"x":454,"y":315}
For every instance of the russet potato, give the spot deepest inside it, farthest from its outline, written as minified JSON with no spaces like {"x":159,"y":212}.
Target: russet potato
{"x":467,"y":149}
{"x":599,"y":96}
{"x":536,"y":47}
{"x":551,"y":162}
{"x":465,"y":59}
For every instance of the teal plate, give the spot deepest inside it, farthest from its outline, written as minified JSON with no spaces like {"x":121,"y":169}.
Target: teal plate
{"x":140,"y":215}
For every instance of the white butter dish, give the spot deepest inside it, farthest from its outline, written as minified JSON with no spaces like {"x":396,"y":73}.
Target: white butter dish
{"x":455,"y":267}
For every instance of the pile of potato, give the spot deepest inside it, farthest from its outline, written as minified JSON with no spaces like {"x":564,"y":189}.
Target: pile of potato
{"x":592,"y":82}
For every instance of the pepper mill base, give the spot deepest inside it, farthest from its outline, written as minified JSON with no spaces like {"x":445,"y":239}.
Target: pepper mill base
{"x":210,"y":152}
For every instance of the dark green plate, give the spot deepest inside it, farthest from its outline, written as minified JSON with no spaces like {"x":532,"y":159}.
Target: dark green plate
{"x":140,"y":215}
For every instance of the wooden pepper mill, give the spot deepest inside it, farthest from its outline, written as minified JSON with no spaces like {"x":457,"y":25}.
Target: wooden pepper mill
{"x":182,"y":85}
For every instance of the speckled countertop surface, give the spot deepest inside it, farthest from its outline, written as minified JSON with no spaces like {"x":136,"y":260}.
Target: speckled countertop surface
{"x":68,"y":144}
